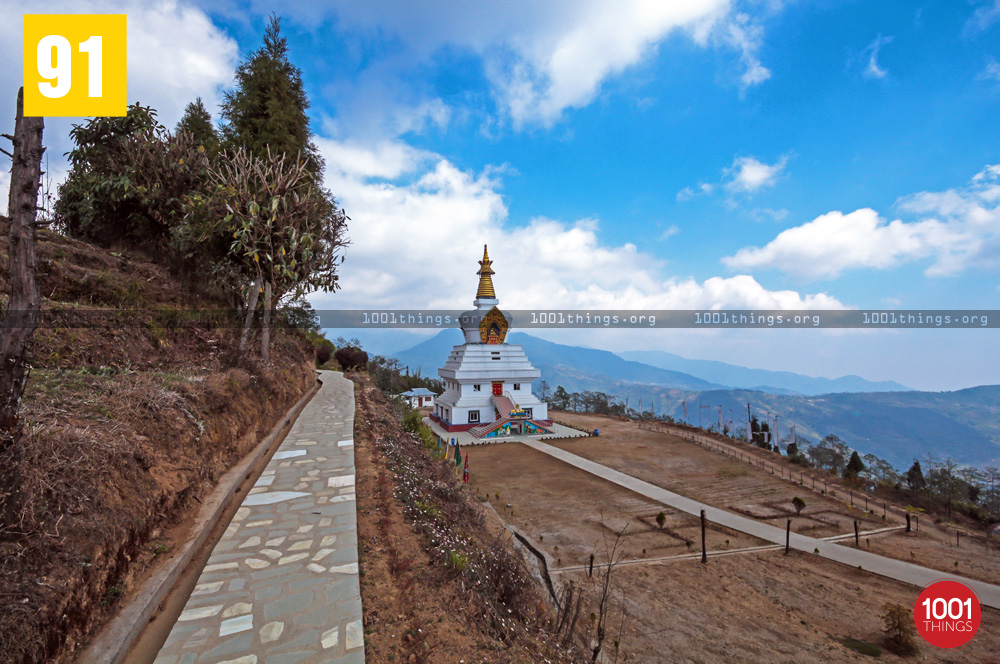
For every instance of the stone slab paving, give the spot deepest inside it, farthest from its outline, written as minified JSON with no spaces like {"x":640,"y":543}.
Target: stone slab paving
{"x":281,"y":586}
{"x":989,"y":594}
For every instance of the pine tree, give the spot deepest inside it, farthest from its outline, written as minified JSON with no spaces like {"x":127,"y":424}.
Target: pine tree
{"x":198,"y":121}
{"x":267,"y":110}
{"x":915,"y":477}
{"x":854,"y":466}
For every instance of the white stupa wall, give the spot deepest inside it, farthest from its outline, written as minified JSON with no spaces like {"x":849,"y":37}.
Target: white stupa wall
{"x":477,"y":364}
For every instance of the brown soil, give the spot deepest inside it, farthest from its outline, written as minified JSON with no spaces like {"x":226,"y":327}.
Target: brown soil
{"x":694,"y":471}
{"x":417,"y":608}
{"x":570,"y":530}
{"x":974,"y":560}
{"x":755,"y":607}
{"x":124,"y":430}
{"x":766,"y":608}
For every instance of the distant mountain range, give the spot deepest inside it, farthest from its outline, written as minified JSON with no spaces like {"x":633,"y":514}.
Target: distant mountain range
{"x":574,"y":368}
{"x":775,"y":382}
{"x":882,"y":418}
{"x":896,"y":426}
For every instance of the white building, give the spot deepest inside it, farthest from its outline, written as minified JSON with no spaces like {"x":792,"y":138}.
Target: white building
{"x":419,"y":397}
{"x":488,"y":381}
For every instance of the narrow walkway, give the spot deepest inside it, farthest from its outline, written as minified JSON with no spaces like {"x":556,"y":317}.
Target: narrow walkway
{"x":989,"y":594}
{"x":281,"y":586}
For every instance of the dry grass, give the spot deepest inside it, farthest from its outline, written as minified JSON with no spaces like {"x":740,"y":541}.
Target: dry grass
{"x":123,"y":430}
{"x":433,"y":565}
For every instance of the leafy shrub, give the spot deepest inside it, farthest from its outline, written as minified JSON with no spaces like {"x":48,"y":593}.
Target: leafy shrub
{"x":323,"y":353}
{"x":129,"y":180}
{"x":799,"y":504}
{"x":351,"y":358}
{"x":456,"y":560}
{"x":899,"y":630}
{"x":412,"y":421}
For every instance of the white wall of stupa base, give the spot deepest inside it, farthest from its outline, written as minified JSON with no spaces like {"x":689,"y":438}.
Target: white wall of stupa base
{"x":455,"y":409}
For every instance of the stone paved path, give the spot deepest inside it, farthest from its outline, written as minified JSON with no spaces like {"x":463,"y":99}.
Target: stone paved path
{"x":281,"y":586}
{"x":989,"y":594}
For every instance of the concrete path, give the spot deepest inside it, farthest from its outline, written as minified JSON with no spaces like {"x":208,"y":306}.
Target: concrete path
{"x":281,"y":586}
{"x":989,"y":594}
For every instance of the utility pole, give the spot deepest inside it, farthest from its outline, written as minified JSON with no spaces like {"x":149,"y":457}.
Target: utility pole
{"x":699,"y":413}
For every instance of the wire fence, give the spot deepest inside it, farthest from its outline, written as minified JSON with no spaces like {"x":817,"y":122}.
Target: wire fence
{"x":814,"y":480}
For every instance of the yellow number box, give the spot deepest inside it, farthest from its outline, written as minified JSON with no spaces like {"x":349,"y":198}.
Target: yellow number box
{"x":74,"y":65}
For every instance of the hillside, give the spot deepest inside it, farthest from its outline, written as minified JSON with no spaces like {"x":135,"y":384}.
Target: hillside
{"x":573,"y":367}
{"x":894,"y":425}
{"x":127,"y":429}
{"x":775,"y":382}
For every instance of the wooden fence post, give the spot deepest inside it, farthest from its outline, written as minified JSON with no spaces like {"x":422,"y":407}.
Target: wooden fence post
{"x":704,"y":551}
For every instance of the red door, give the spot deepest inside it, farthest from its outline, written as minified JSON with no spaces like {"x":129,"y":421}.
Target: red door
{"x":497,"y":388}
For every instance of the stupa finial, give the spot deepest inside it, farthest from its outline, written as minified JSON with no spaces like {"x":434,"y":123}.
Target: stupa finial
{"x":486,"y":277}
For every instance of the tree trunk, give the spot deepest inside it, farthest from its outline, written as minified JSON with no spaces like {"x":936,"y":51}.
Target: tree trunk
{"x":250,"y":311}
{"x":265,"y":337}
{"x":25,"y":301}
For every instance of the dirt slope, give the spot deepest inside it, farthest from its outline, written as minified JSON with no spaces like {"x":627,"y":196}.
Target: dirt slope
{"x":125,"y":429}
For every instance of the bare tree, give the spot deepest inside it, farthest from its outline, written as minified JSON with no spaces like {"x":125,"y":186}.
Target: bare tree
{"x":25,"y":301}
{"x":613,"y":555}
{"x":991,"y":499}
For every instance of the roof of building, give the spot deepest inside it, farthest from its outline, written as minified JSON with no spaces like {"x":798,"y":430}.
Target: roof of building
{"x":418,"y":392}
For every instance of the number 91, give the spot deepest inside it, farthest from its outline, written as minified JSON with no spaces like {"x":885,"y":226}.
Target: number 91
{"x":62,"y":71}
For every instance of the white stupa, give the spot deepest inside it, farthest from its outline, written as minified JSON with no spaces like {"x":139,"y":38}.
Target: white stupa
{"x":488,"y":381}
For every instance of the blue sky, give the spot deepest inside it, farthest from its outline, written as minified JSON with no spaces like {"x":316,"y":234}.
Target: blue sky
{"x":635,"y":154}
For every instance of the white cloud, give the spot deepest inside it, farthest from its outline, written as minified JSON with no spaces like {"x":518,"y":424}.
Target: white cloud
{"x":416,"y":243}
{"x":564,"y":68}
{"x":175,"y":53}
{"x":745,"y":36}
{"x":386,"y":159}
{"x":4,"y":184}
{"x":991,"y":71}
{"x":540,"y":58}
{"x":872,"y":69}
{"x":759,"y":214}
{"x":832,"y":243}
{"x":985,"y":16}
{"x":670,"y":232}
{"x":702,"y":189}
{"x":746,"y":176}
{"x":749,"y":174}
{"x":685,"y":194}
{"x":960,"y":229}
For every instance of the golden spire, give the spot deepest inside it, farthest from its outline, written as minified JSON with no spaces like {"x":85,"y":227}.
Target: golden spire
{"x":486,"y":277}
